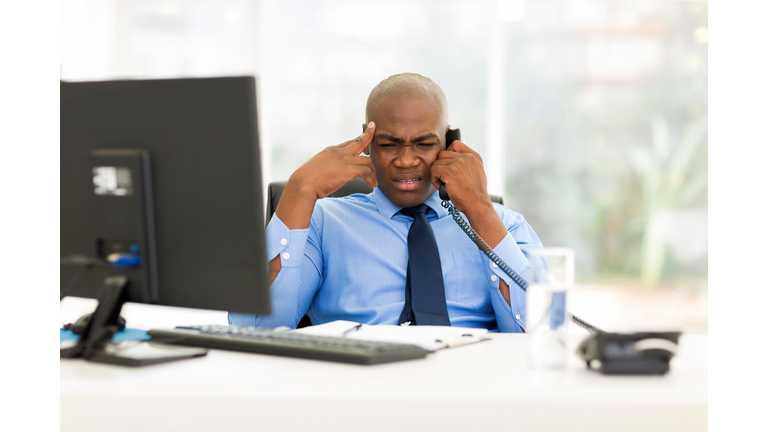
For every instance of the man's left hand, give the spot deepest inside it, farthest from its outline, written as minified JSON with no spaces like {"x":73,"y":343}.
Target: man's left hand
{"x":461,"y":169}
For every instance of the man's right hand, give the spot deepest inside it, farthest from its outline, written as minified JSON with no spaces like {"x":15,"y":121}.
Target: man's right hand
{"x":324,"y":174}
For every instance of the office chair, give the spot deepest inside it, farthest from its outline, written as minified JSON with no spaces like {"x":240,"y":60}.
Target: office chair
{"x":358,"y":185}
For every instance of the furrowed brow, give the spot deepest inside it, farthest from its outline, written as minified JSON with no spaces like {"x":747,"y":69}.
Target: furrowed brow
{"x":392,"y":138}
{"x":399,"y":140}
{"x":426,"y":137}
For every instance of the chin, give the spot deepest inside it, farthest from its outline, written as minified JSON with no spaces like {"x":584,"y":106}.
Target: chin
{"x":408,"y":199}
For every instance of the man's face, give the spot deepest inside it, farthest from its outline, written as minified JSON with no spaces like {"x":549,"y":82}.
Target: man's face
{"x":407,"y":141}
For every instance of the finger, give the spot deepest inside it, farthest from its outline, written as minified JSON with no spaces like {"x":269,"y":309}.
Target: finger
{"x":359,"y":139}
{"x":366,"y":162}
{"x":357,"y":145}
{"x":437,"y":174}
{"x":368,"y":174}
{"x":447,"y":154}
{"x":460,"y":147}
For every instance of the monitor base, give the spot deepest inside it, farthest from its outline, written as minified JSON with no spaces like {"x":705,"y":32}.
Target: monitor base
{"x":95,"y":342}
{"x":141,"y":353}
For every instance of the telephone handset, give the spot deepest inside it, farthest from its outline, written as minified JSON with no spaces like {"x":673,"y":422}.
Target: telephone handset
{"x":455,"y":135}
{"x":450,"y":136}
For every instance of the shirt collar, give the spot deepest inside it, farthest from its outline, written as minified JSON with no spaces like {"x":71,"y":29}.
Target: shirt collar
{"x":388,"y":209}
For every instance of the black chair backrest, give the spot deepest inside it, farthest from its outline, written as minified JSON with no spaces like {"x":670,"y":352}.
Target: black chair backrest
{"x":358,"y":185}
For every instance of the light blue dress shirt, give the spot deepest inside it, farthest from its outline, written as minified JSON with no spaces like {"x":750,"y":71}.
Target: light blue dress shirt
{"x":350,"y":264}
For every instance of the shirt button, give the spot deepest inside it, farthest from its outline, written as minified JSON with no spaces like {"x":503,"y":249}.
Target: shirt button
{"x":493,"y":278}
{"x":517,"y":316}
{"x":283,"y":241}
{"x":286,"y":255}
{"x":494,"y":264}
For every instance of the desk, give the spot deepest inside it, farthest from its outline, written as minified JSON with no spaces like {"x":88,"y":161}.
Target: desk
{"x":485,"y":385}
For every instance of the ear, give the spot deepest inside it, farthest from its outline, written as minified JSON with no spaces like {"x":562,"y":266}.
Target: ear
{"x":365,"y":150}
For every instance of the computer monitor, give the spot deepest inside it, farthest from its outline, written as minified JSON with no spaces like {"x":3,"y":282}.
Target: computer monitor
{"x":161,"y":195}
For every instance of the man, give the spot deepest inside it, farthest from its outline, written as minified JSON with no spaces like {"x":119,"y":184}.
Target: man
{"x":348,"y":258}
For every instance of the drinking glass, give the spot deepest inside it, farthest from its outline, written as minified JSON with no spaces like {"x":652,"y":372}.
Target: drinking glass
{"x":551,"y":279}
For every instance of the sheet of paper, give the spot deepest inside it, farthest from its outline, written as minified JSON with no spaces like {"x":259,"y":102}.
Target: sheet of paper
{"x":333,"y":328}
{"x":431,"y":338}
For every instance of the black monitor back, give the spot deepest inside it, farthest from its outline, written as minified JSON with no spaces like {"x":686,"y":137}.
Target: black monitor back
{"x":202,"y":139}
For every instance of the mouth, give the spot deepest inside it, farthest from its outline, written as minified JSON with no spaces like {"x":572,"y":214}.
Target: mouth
{"x":407,"y":182}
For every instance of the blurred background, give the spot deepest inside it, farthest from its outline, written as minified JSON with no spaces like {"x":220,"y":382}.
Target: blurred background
{"x":591,"y":115}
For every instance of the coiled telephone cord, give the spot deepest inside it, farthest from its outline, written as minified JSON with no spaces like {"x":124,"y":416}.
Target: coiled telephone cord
{"x":464,"y":225}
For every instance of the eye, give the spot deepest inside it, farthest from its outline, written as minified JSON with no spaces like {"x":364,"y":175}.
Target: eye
{"x":427,"y":145}
{"x":387,"y":145}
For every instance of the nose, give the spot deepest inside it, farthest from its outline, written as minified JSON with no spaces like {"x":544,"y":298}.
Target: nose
{"x":406,"y":157}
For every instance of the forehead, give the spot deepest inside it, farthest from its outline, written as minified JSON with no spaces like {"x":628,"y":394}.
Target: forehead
{"x":406,"y":112}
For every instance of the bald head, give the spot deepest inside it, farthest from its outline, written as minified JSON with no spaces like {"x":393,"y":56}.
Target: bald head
{"x":407,"y":86}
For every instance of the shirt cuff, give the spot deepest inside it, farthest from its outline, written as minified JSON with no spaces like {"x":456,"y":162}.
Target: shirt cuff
{"x":287,"y":243}
{"x":510,"y":253}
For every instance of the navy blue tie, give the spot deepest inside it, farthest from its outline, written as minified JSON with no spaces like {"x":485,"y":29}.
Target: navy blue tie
{"x":424,"y":289}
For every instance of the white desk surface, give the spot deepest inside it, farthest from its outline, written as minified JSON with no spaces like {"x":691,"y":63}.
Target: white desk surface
{"x":465,"y":388}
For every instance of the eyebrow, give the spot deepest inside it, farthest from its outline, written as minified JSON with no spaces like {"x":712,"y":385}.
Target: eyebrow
{"x":400,"y":140}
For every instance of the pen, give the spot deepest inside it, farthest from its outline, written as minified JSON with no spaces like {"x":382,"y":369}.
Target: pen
{"x":355,"y":328}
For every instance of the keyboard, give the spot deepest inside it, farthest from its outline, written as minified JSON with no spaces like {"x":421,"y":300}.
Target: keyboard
{"x":267,"y":341}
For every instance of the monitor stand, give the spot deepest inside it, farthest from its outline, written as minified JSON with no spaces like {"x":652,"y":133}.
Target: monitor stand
{"x":95,"y":342}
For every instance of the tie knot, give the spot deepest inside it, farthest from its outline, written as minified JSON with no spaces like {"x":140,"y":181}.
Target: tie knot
{"x":413,"y":211}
